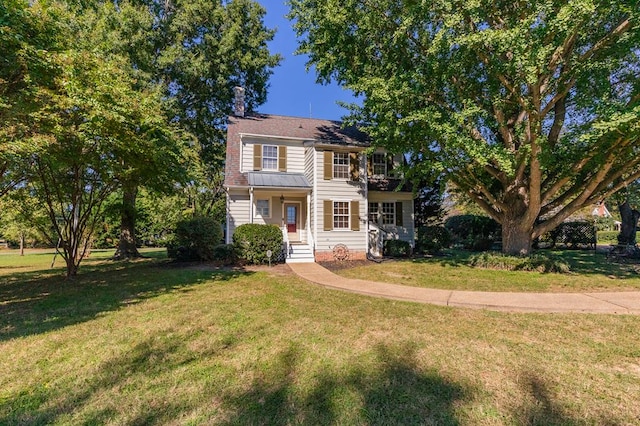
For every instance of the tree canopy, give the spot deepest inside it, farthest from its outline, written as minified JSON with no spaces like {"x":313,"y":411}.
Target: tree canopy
{"x":532,"y":108}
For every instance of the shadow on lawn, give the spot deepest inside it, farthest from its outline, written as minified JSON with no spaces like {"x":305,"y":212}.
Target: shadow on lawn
{"x":396,"y":392}
{"x":586,"y":262}
{"x":37,"y":302}
{"x":542,"y":407}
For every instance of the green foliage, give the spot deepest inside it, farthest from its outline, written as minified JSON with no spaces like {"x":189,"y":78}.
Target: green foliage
{"x":530,"y":108}
{"x":195,"y":239}
{"x":536,"y":262}
{"x":572,"y":234}
{"x":608,"y":237}
{"x":252,"y":241}
{"x":432,"y":239}
{"x":473,"y":232}
{"x":604,"y":223}
{"x":396,"y":248}
{"x":225,"y":254}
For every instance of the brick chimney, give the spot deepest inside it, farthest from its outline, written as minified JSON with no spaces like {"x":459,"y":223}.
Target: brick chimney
{"x":238,"y":104}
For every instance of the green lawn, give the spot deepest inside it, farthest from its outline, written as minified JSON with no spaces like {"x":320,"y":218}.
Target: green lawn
{"x":147,"y":342}
{"x":589,"y":272}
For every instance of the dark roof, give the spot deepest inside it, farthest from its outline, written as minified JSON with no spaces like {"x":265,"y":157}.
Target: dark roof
{"x":278,"y":180}
{"x":389,"y":185}
{"x":308,"y":129}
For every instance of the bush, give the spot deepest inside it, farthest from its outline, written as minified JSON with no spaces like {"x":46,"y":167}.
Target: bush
{"x":396,"y":248}
{"x":225,"y":254}
{"x":571,"y":234}
{"x":608,"y":237}
{"x":251,"y":242}
{"x":432,"y":239}
{"x":473,"y":232}
{"x":535,"y":262}
{"x":195,"y":239}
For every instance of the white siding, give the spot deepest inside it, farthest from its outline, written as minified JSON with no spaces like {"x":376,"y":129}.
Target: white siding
{"x":295,"y":153}
{"x":340,"y":190}
{"x":406,"y":232}
{"x":309,"y":155}
{"x":239,"y":209}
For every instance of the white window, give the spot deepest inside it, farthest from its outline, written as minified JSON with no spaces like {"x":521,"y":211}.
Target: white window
{"x":269,"y":157}
{"x":341,"y":165}
{"x":379,"y":162}
{"x":262,"y":208}
{"x":340,"y":215}
{"x":388,"y":213}
{"x":373,"y":212}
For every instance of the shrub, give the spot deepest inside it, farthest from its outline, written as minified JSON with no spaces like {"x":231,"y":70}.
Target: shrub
{"x":251,"y":242}
{"x":572,"y":234}
{"x":195,"y":239}
{"x":535,"y":262}
{"x":432,"y":239}
{"x":396,"y":248}
{"x":473,"y":232}
{"x":608,"y":237}
{"x":225,"y":254}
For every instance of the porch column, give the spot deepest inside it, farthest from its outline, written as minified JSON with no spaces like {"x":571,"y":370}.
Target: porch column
{"x":308,"y":227}
{"x":251,"y":205}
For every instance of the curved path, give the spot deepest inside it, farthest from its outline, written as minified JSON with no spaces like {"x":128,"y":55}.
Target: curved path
{"x":602,"y":303}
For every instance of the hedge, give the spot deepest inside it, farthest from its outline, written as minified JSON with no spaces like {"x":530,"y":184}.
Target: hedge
{"x":396,"y":248}
{"x":432,"y":239}
{"x":252,"y":241}
{"x":195,"y":239}
{"x":473,"y":232}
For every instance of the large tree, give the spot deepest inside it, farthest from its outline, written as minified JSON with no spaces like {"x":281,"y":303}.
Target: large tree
{"x":199,"y":50}
{"x":530,"y":107}
{"x":80,"y":119}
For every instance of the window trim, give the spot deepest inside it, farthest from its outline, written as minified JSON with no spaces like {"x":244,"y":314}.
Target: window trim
{"x":346,"y":165}
{"x":384,"y":215}
{"x":257,"y":211}
{"x":377,"y":212}
{"x":271,"y":158}
{"x":347,"y":215}
{"x":384,"y":164}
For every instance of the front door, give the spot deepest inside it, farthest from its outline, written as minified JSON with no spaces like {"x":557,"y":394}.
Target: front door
{"x":291,"y":217}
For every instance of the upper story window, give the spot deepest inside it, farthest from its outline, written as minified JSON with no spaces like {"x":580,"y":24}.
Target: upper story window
{"x":379,"y":161}
{"x":269,"y":157}
{"x":341,"y":165}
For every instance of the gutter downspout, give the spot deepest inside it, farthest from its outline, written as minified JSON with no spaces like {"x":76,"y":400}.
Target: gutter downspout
{"x":228,"y":233}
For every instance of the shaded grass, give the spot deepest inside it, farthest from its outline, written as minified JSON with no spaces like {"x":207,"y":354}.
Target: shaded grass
{"x":589,"y":272}
{"x":202,"y":346}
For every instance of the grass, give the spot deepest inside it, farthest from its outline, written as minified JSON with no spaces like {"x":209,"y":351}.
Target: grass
{"x":589,"y":272}
{"x":151,"y":343}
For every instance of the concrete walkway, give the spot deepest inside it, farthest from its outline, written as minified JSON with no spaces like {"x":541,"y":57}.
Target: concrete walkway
{"x":601,"y":303}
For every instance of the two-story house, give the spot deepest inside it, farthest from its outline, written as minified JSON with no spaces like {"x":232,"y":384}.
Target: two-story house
{"x":312,"y":178}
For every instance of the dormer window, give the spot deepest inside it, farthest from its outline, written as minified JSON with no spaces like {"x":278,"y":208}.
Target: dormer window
{"x":379,"y":161}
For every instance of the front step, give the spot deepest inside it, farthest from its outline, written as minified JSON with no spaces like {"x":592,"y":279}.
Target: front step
{"x":300,"y":253}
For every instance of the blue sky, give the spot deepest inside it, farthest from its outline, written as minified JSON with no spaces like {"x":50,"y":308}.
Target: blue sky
{"x":293,"y":90}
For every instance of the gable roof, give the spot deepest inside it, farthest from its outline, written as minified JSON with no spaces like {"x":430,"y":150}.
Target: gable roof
{"x":326,"y":132}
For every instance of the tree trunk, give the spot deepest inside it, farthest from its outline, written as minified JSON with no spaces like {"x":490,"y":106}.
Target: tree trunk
{"x":630,"y":218}
{"x":516,"y":238}
{"x":72,"y":266}
{"x":21,"y":244}
{"x":127,"y":245}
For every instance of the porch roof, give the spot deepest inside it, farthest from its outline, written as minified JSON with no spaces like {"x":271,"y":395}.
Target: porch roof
{"x":278,"y":180}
